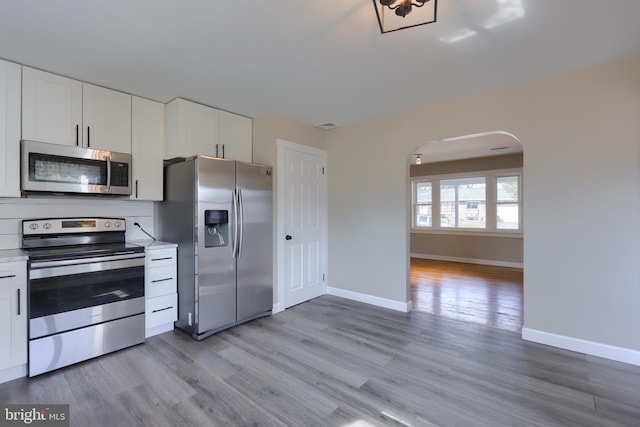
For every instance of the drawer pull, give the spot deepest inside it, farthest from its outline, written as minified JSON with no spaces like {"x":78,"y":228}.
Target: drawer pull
{"x":162,"y":309}
{"x":162,"y":280}
{"x":161,"y":259}
{"x":8,"y":277}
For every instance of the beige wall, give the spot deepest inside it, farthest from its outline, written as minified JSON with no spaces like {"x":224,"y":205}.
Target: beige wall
{"x":268,"y":128}
{"x":469,"y":248}
{"x":506,"y":161}
{"x":581,"y":137}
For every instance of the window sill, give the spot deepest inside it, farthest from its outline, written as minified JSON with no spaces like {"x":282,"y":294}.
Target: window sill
{"x":459,"y":232}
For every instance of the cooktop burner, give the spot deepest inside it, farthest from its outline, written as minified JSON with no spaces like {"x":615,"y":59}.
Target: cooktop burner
{"x":74,"y":238}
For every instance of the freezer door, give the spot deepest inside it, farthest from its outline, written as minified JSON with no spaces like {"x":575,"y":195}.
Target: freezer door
{"x":255,"y":251}
{"x":215,"y":265}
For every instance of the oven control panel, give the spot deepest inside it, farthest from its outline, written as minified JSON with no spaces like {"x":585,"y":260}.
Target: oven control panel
{"x":72,"y":225}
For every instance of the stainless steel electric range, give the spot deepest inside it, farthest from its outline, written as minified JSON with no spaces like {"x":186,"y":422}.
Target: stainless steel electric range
{"x":85,"y":290}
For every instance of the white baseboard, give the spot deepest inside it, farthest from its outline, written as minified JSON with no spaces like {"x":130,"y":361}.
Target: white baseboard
{"x":276,"y":308}
{"x":11,"y":374}
{"x":160,"y":329}
{"x":606,"y":351}
{"x":470,"y":260}
{"x":405,"y":307}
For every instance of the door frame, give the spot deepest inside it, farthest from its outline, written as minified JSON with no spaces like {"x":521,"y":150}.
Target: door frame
{"x":281,"y":146}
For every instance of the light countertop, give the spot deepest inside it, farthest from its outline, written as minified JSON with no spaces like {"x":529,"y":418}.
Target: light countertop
{"x":13,"y":255}
{"x":154,"y":244}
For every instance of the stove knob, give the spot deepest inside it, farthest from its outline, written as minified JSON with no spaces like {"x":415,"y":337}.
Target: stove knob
{"x":33,"y":226}
{"x":117,"y":224}
{"x":47,"y":225}
{"x":107,"y":224}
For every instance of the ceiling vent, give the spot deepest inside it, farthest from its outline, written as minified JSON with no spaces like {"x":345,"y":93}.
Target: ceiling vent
{"x":327,"y":126}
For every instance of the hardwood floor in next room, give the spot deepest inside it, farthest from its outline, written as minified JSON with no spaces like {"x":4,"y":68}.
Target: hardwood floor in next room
{"x":332,"y":362}
{"x":492,"y":296}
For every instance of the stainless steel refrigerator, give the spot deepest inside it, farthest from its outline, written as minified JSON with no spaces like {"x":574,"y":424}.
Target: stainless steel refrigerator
{"x":219,"y":212}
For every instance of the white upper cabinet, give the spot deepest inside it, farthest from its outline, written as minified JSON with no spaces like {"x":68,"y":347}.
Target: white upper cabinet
{"x":9,"y":129}
{"x":147,"y":142}
{"x":197,"y":129}
{"x":51,"y":108}
{"x":191,"y":129}
{"x":60,"y":110}
{"x":106,"y":116}
{"x":235,"y":137}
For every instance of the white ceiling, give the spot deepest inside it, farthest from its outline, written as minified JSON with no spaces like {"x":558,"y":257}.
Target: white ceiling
{"x":315,"y":61}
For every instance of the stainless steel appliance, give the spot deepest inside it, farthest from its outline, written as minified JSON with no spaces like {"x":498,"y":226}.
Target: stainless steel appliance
{"x":85,"y":290}
{"x":220,"y":214}
{"x":68,"y":169}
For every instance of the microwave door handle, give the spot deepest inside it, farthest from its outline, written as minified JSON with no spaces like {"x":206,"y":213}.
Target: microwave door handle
{"x":108,"y":173}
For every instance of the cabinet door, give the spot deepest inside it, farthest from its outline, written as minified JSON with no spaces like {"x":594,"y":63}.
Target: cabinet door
{"x":51,"y":108}
{"x":191,"y":129}
{"x":13,"y":315}
{"x":147,"y":144}
{"x":106,"y":116}
{"x":235,"y":137}
{"x":9,"y":129}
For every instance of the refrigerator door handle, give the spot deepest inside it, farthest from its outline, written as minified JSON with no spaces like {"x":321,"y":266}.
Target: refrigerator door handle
{"x":234,"y":245}
{"x":241,"y":222}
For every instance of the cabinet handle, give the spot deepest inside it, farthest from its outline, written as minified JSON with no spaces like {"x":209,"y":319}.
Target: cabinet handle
{"x":136,"y":188}
{"x":161,"y":259}
{"x":216,"y":150}
{"x":77,"y":135}
{"x":18,"y":301}
{"x":8,"y":277}
{"x":88,"y":137}
{"x":223,"y":151}
{"x":162,"y":280}
{"x":162,"y":309}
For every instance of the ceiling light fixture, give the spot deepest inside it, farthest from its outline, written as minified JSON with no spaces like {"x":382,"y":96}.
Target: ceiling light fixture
{"x":418,"y":159}
{"x":402,"y":16}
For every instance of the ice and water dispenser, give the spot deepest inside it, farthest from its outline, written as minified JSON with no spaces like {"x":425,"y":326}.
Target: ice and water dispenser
{"x":216,"y":223}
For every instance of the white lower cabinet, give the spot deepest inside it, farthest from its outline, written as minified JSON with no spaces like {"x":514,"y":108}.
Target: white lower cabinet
{"x":161,"y":297}
{"x":13,"y":320}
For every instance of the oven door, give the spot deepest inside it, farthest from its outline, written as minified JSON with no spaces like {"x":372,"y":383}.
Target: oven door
{"x":74,"y":293}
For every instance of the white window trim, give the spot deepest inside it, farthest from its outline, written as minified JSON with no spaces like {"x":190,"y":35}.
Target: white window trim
{"x":491,"y":198}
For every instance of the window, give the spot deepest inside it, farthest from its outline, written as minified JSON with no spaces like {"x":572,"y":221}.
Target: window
{"x":508,"y":202}
{"x":485,"y":202}
{"x":422,"y":205}
{"x":462,"y":203}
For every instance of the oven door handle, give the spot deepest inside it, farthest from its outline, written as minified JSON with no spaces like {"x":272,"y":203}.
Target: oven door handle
{"x":41,"y":270}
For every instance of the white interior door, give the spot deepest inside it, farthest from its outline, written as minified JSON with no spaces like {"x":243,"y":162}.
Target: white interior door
{"x":303,"y":219}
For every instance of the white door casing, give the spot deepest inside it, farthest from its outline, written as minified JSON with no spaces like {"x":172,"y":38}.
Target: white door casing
{"x":302,"y":215}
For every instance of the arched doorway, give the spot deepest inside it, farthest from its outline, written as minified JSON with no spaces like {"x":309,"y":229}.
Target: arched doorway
{"x":466,"y":229}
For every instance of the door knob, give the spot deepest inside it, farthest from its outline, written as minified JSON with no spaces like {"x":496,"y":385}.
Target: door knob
{"x":288,"y":237}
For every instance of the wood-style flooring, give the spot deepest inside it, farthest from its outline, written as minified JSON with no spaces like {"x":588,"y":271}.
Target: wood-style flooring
{"x":335,"y":362}
{"x":488,"y":295}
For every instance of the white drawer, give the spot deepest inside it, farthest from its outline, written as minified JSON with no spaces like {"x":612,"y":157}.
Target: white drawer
{"x":161,"y":310}
{"x":160,"y":281}
{"x":160,"y":257}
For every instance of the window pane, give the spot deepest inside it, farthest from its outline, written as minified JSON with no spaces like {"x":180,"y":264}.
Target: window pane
{"x":448,"y":204}
{"x":508,"y":218}
{"x":463,"y":203}
{"x":423,"y":216}
{"x":423,"y":192}
{"x":507,"y":187}
{"x":472,"y":214}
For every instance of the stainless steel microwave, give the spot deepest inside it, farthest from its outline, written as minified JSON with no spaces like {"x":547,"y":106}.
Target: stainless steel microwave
{"x":54,"y":168}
